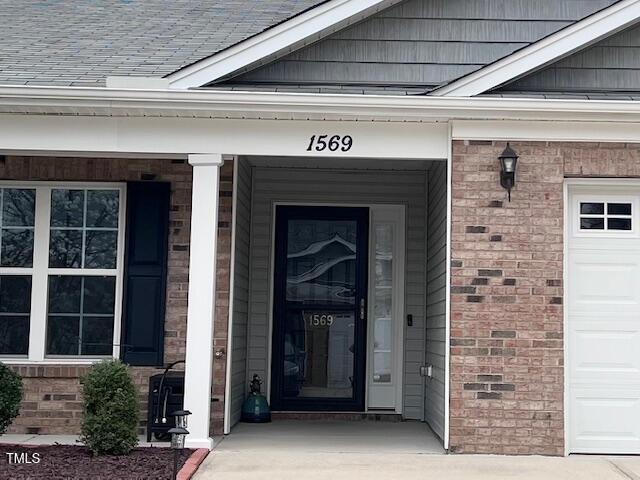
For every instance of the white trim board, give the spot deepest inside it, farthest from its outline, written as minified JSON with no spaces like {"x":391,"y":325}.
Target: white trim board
{"x":237,"y":137}
{"x":232,"y":277}
{"x":545,"y":131}
{"x":543,"y":52}
{"x":303,"y":29}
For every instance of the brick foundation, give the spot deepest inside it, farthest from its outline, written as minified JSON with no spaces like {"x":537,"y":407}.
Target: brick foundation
{"x":52,"y":402}
{"x":506,"y":295}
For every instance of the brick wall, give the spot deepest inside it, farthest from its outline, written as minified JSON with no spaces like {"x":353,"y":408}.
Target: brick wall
{"x":506,"y":295}
{"x":52,"y":402}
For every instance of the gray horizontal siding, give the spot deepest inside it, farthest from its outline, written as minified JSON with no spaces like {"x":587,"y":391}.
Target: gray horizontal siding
{"x":422,"y":43}
{"x":240,"y":290}
{"x":436,"y":295}
{"x":342,"y":187}
{"x":610,"y":65}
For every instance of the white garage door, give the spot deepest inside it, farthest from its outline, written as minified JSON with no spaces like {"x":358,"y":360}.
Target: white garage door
{"x":603,"y":314}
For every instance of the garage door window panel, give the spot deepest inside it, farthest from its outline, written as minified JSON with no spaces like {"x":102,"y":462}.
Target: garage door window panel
{"x":605,"y":216}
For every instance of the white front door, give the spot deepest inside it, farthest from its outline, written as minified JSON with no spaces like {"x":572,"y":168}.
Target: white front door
{"x":386,"y":312}
{"x":603,"y":315}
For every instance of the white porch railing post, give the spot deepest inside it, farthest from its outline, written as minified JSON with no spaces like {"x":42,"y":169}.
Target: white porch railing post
{"x":202,"y":297}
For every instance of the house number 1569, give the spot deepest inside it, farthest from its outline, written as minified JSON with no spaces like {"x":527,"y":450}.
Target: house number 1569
{"x":334,"y":143}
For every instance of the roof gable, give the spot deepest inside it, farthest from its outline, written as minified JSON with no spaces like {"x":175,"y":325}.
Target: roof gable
{"x":611,"y":65}
{"x":416,"y":46}
{"x":571,"y":39}
{"x":296,"y":32}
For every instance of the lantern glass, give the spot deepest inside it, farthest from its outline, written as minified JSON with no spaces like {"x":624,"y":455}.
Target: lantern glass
{"x":508,"y":164}
{"x":181,"y":421}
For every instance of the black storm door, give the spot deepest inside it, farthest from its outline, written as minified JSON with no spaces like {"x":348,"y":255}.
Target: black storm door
{"x":319,"y":327}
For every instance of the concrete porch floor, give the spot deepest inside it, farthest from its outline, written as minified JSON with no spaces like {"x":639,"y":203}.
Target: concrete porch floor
{"x":332,"y":436}
{"x":317,"y":450}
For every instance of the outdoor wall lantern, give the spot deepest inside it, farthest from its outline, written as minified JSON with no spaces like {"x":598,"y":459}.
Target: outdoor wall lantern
{"x":508,"y":161}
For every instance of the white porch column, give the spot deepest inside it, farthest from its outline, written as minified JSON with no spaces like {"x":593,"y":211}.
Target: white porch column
{"x":202,"y":296}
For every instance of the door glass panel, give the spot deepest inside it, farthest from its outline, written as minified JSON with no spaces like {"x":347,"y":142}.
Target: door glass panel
{"x":318,"y":353}
{"x":320,"y":308}
{"x":383,"y":307}
{"x":321,"y":262}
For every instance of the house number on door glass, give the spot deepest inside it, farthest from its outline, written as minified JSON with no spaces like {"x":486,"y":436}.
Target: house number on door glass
{"x":319,"y":320}
{"x":333,"y":143}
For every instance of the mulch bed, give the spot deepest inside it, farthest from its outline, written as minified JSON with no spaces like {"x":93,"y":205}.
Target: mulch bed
{"x":63,"y":462}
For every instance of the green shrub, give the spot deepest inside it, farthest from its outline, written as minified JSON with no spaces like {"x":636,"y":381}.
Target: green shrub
{"x":10,"y":396}
{"x":110,"y":422}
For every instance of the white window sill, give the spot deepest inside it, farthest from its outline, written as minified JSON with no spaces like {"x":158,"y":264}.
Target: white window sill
{"x":52,"y":361}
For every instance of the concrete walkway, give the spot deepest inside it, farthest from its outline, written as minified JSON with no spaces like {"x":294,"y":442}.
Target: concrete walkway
{"x":229,"y":465}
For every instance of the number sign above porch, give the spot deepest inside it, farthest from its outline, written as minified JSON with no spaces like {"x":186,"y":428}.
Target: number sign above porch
{"x":180,"y":136}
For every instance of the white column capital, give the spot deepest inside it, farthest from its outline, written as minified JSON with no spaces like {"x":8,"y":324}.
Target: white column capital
{"x":206,"y":159}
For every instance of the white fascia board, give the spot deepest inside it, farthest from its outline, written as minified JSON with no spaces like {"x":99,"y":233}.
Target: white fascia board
{"x":550,"y":49}
{"x":305,"y":28}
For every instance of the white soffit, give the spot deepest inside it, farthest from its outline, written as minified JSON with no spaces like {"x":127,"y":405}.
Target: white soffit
{"x":548,"y":50}
{"x":290,"y":35}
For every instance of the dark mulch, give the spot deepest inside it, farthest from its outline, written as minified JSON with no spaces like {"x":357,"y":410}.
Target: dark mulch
{"x":62,"y":462}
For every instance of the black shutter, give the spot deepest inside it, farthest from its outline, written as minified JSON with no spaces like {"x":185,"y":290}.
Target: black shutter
{"x":145,"y":275}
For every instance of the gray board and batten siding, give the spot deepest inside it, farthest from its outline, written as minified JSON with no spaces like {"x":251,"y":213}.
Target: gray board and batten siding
{"x":611,"y":65}
{"x":344,"y":187}
{"x":436,"y":338}
{"x":240,"y":289}
{"x":416,"y":45}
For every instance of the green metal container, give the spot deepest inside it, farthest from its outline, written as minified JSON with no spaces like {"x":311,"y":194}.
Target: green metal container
{"x":255,"y":408}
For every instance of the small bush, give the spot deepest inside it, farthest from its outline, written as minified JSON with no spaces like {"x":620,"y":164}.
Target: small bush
{"x":110,"y":422}
{"x":10,"y":396}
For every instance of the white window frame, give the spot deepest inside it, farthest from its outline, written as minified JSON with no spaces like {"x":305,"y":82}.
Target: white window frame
{"x":40,"y":272}
{"x":605,"y":199}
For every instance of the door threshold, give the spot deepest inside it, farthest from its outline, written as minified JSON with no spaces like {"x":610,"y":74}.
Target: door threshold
{"x":346,"y":416}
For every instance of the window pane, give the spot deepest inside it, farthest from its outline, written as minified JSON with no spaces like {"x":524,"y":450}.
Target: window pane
{"x":14,"y":334}
{"x":15,"y":306}
{"x":64,"y":294}
{"x":63,"y":335}
{"x":97,"y":335}
{"x":65,"y":249}
{"x":80,"y":318}
{"x":99,"y":295}
{"x":383,"y":305}
{"x":18,"y":207}
{"x":102,"y":208}
{"x":100,"y":249}
{"x":592,"y":223}
{"x":619,"y":208}
{"x":592,"y":208}
{"x":15,"y":294}
{"x":619,"y":224}
{"x":67,"y":208}
{"x":17,"y":248}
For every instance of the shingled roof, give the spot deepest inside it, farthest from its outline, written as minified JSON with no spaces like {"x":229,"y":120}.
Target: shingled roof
{"x":80,"y":43}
